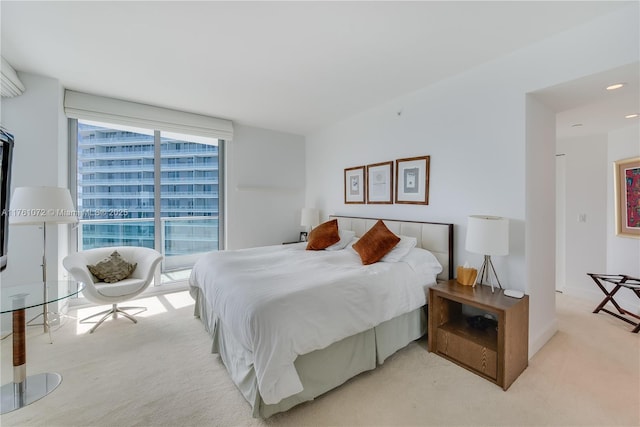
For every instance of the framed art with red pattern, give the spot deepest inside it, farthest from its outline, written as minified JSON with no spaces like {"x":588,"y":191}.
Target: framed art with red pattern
{"x":627,"y":194}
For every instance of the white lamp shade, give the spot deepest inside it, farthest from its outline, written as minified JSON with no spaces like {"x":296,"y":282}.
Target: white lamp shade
{"x":38,"y":205}
{"x":487,"y":235}
{"x":310,"y":217}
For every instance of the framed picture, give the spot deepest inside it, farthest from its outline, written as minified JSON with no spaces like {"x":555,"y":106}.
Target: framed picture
{"x":627,"y":195}
{"x":304,"y":236}
{"x":354,"y":185}
{"x":380,"y":183}
{"x":412,"y":180}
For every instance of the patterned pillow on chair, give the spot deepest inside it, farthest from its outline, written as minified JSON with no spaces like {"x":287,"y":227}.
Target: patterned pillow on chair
{"x":112,"y":269}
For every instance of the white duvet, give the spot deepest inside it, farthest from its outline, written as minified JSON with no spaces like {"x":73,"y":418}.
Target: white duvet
{"x":283,"y":301}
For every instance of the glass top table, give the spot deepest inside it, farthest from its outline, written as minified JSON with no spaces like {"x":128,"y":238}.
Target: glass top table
{"x":24,"y":389}
{"x":28,"y":296}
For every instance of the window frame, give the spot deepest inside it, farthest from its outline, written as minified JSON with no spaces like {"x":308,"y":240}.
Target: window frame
{"x":73,"y":187}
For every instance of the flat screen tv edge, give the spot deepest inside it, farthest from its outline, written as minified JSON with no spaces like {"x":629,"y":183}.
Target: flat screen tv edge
{"x":6,"y":153}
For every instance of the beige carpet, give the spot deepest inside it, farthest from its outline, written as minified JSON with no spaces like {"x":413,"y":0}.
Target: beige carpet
{"x":160,"y":372}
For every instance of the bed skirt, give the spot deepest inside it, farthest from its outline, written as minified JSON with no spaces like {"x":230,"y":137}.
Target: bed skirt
{"x":320,"y":370}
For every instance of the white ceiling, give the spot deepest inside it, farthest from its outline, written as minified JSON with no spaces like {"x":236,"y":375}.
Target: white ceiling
{"x":586,"y":107}
{"x":288,"y":66}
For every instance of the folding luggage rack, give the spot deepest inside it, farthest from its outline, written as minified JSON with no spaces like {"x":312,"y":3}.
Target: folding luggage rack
{"x":618,"y":281}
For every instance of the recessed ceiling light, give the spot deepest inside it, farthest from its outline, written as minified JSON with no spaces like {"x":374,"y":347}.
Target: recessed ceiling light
{"x":576,"y":125}
{"x":615,"y":86}
{"x":631,"y":116}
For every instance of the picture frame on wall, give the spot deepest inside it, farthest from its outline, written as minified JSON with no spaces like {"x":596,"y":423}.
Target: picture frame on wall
{"x":380,"y":183}
{"x":627,"y":197}
{"x":354,"y":185}
{"x":412,"y":180}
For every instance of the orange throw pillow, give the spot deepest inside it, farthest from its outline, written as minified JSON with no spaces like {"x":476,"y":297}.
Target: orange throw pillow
{"x":375,"y":243}
{"x":323,"y":236}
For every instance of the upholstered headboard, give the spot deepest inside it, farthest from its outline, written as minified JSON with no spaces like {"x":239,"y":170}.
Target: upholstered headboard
{"x":435,"y":237}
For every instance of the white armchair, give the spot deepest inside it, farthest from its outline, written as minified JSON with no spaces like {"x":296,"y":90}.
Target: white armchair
{"x":113,"y":293}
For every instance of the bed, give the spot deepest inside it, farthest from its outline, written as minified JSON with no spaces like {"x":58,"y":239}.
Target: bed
{"x":352,"y":320}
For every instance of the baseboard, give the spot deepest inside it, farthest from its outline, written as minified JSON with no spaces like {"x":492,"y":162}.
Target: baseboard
{"x":594,"y":294}
{"x":537,"y":342}
{"x":624,"y":297}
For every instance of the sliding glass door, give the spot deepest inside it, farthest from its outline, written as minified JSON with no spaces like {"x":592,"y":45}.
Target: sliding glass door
{"x":141,"y":187}
{"x":189,"y":196}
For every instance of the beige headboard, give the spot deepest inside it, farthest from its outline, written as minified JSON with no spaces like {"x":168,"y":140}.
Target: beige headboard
{"x":435,"y":237}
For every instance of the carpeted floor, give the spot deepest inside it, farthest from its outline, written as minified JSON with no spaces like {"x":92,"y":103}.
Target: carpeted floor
{"x":161,"y":372}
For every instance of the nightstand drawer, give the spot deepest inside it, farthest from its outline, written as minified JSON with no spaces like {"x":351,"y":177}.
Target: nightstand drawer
{"x":475,"y":356}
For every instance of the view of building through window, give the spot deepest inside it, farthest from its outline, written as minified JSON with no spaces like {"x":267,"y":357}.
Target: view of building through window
{"x":116,"y":197}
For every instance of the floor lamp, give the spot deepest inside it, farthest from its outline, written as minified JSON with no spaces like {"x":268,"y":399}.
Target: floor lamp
{"x":42,"y":206}
{"x":487,"y":235}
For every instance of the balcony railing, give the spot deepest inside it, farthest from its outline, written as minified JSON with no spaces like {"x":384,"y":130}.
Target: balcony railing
{"x":83,"y":182}
{"x":183,"y":239}
{"x":139,"y":141}
{"x":119,"y":168}
{"x":167,"y":194}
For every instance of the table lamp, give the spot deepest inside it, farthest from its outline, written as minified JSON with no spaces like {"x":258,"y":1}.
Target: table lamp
{"x":42,"y":206}
{"x":310,"y":217}
{"x":488,"y":235}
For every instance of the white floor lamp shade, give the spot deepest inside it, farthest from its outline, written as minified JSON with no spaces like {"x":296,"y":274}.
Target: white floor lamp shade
{"x":487,"y":235}
{"x":38,"y":205}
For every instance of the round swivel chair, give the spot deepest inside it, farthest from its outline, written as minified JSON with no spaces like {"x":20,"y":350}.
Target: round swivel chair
{"x":113,"y":293}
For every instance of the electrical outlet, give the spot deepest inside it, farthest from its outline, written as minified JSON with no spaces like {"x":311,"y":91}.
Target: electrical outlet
{"x":582,"y":217}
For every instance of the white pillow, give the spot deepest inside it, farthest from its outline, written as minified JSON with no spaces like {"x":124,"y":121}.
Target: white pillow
{"x":346,"y":236}
{"x":423,"y":261}
{"x":401,"y":249}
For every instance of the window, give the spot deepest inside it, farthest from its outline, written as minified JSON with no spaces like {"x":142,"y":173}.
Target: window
{"x":117,"y":171}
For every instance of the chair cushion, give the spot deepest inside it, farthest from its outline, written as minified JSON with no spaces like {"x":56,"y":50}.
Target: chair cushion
{"x":121,"y":288}
{"x":112,"y":269}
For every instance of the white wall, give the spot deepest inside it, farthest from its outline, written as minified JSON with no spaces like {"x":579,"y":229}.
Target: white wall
{"x":265,"y":183}
{"x":592,"y":246}
{"x":40,"y":155}
{"x":540,"y":221}
{"x":474,"y":127}
{"x":623,"y":252}
{"x":39,"y":158}
{"x":561,"y":208}
{"x":450,"y":122}
{"x":586,"y":194}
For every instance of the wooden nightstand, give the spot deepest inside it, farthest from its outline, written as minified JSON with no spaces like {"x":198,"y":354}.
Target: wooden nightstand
{"x":499,"y":355}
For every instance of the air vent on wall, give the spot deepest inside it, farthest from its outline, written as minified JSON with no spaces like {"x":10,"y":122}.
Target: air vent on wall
{"x":11,"y":84}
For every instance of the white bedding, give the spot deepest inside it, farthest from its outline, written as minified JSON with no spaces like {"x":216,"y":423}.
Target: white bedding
{"x":283,"y":301}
